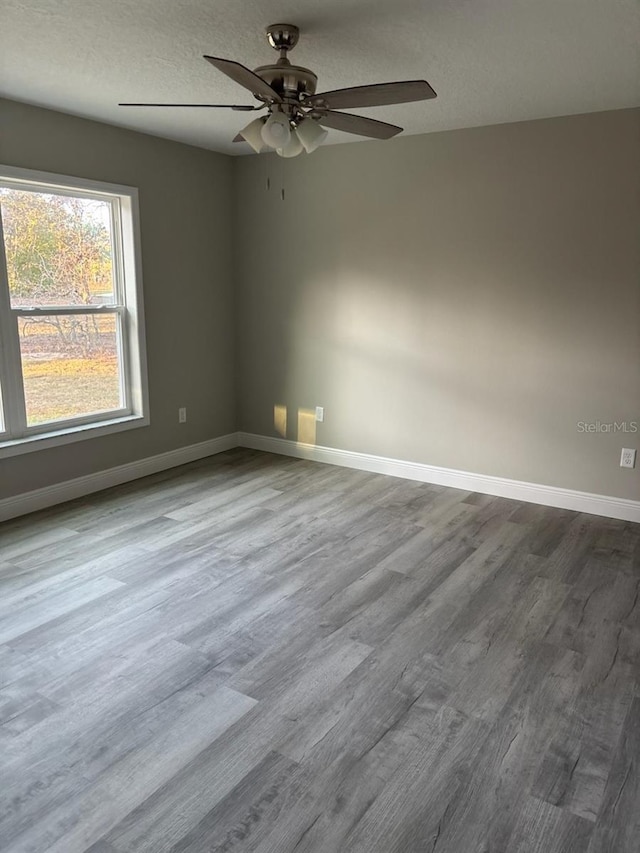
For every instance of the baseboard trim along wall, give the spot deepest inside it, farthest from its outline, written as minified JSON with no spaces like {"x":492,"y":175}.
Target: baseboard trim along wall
{"x":621,"y":508}
{"x":610,"y":507}
{"x":81,"y":486}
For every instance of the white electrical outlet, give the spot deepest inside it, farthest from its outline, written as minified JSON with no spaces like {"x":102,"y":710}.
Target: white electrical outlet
{"x":182,"y":415}
{"x":319,"y":414}
{"x":628,"y":458}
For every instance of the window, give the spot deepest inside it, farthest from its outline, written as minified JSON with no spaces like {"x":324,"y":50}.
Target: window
{"x":72,"y":358}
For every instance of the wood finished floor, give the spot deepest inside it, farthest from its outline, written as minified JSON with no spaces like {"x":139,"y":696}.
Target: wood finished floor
{"x":255,"y":653}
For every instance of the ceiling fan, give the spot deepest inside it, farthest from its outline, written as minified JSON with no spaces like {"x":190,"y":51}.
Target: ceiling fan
{"x":296,"y":116}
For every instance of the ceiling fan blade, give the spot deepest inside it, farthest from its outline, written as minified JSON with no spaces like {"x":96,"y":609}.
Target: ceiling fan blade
{"x":245,"y":77}
{"x":376,"y":95}
{"x":357,"y":124}
{"x":210,"y":106}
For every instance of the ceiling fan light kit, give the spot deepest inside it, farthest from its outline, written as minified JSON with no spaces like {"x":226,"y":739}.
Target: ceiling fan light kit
{"x":252,"y":134}
{"x":276,"y":131}
{"x":311,"y":134}
{"x":296,"y":115}
{"x":264,"y":132}
{"x":292,"y":148}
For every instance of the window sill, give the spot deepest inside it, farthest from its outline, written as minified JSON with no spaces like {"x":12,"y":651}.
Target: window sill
{"x":68,"y":435}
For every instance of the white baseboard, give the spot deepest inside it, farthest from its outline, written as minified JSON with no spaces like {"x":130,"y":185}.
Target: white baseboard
{"x":81,"y":486}
{"x":611,"y":507}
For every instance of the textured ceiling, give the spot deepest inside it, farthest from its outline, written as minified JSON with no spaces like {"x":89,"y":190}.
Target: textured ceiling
{"x":490,"y":61}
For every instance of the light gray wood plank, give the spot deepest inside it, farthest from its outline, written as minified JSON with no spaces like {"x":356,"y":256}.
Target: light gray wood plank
{"x":488,"y":800}
{"x":542,"y":828}
{"x":257,"y":654}
{"x":21,"y":709}
{"x":411,"y":810}
{"x":108,"y":712}
{"x":167,"y":817}
{"x":25,"y":619}
{"x":77,"y":824}
{"x":575,"y":770}
{"x":240,"y":818}
{"x":618,"y":826}
{"x":22,"y":541}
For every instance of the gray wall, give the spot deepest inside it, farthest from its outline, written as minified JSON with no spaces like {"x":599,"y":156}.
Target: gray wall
{"x":185,"y":203}
{"x":461,"y":299}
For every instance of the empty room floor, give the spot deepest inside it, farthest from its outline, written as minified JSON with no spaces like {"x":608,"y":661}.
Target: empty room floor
{"x":257,"y":653}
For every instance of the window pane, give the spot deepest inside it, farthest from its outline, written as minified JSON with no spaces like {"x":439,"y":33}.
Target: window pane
{"x":70,"y":366}
{"x":58,"y":249}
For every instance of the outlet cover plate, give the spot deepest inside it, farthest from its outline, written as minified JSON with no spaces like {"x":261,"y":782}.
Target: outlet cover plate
{"x":628,"y":458}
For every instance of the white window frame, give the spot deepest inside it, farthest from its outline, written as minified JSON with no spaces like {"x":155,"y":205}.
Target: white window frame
{"x":15,"y":435}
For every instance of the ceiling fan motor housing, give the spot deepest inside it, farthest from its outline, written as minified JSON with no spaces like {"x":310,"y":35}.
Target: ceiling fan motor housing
{"x":289,"y":81}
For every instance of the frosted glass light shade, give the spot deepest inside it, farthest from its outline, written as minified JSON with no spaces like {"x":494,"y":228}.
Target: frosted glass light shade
{"x":292,"y":148}
{"x":311,"y":134}
{"x":252,"y":134}
{"x":276,"y":131}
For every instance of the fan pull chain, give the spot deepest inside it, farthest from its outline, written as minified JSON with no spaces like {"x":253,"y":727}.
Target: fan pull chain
{"x":281,"y":178}
{"x":268,"y":179}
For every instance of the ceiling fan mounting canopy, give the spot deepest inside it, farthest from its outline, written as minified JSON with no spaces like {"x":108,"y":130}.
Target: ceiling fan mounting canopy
{"x":282,"y":36}
{"x":289,"y":94}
